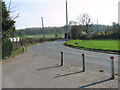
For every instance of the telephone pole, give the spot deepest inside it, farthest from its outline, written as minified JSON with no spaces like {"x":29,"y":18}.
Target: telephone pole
{"x":42,"y":26}
{"x":66,"y":20}
{"x":97,"y":25}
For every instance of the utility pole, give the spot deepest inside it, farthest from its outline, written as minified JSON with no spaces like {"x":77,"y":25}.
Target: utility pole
{"x":42,"y":26}
{"x":66,"y":20}
{"x":97,"y":26}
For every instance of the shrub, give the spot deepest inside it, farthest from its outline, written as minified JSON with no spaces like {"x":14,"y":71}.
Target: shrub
{"x":6,"y":49}
{"x":85,"y":37}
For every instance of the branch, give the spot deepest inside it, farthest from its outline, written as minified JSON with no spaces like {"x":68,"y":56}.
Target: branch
{"x":16,"y":16}
{"x":9,"y":6}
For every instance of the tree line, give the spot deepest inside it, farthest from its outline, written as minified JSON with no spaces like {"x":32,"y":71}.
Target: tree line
{"x":84,"y":29}
{"x":75,"y":31}
{"x":104,"y":32}
{"x":46,"y":30}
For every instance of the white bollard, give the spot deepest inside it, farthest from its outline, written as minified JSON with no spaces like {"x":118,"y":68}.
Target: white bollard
{"x":112,"y":67}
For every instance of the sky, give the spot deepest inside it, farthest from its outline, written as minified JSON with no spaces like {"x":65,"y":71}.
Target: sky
{"x":54,"y":12}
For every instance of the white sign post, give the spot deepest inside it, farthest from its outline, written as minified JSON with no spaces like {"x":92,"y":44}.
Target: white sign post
{"x":15,"y":39}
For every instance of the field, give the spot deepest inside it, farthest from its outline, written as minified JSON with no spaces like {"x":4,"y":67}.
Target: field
{"x":95,"y":44}
{"x":40,"y":36}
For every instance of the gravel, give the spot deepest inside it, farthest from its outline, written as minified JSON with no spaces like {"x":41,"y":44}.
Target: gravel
{"x":32,"y":70}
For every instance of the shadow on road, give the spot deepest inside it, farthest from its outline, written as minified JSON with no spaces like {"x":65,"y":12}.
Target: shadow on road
{"x":48,"y":67}
{"x":68,"y":74}
{"x":95,"y":83}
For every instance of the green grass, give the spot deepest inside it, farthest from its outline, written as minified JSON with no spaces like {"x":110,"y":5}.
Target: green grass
{"x":19,"y":50}
{"x":16,"y":52}
{"x":39,"y":36}
{"x":95,"y":44}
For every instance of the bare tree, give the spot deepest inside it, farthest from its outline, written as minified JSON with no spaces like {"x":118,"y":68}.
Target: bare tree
{"x":10,"y":10}
{"x":72,"y":22}
{"x":84,"y":22}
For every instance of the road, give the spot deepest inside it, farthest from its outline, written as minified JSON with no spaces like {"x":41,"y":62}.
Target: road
{"x":39,"y":68}
{"x":73,"y":56}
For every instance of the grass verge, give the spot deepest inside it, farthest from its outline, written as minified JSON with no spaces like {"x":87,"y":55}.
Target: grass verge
{"x":19,"y":50}
{"x":95,"y":45}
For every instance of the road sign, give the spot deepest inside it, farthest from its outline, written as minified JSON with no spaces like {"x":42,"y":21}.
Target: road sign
{"x":15,"y":39}
{"x":11,"y":39}
{"x":18,"y":39}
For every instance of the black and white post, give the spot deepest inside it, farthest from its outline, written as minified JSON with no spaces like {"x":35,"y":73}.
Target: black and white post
{"x":112,"y":67}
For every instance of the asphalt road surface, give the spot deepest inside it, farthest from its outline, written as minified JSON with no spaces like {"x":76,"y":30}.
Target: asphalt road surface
{"x":73,"y":56}
{"x":40,"y":65}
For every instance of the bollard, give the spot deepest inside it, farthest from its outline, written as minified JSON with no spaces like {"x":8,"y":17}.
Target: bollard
{"x":62,"y":58}
{"x":23,"y":48}
{"x":83,"y":55}
{"x":112,"y":67}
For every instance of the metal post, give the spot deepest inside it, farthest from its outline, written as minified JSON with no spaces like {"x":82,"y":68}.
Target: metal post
{"x":83,"y":56}
{"x":42,"y":27}
{"x":16,"y":43}
{"x":62,"y":58}
{"x":97,"y":26}
{"x":112,"y":67}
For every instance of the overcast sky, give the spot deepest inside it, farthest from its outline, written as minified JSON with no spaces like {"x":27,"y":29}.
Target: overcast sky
{"x":54,"y":14}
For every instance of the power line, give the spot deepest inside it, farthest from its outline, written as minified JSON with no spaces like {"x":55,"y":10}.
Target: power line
{"x":30,"y":8}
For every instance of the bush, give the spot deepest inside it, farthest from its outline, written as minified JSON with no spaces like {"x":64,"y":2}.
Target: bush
{"x":108,"y":36}
{"x":6,"y":49}
{"x":85,"y":37}
{"x":98,"y":36}
{"x":33,"y":41}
